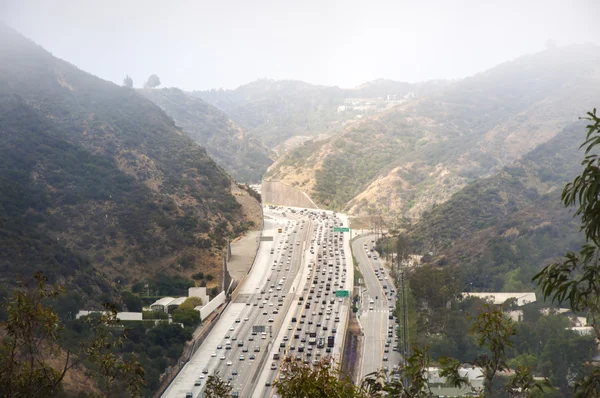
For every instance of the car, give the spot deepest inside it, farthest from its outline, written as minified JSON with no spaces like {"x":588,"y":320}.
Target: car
{"x":198,"y":382}
{"x":246,"y":319}
{"x":245,"y":349}
{"x":214,"y":354}
{"x":271,"y":320}
{"x":219,"y":347}
{"x":252,"y":356}
{"x":231,"y":329}
{"x":229,"y":363}
{"x":222,"y":357}
{"x":237,"y":320}
{"x":385,"y":359}
{"x":241,"y":358}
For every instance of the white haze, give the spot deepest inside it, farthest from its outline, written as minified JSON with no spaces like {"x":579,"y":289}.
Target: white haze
{"x":226,"y":43}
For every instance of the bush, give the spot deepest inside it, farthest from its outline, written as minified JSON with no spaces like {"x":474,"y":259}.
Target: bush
{"x":132,"y":302}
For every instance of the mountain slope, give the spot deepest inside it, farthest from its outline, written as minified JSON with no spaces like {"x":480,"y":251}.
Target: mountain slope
{"x":418,"y":153}
{"x":277,"y":110}
{"x":234,"y":149}
{"x":501,"y":230}
{"x":97,"y":179}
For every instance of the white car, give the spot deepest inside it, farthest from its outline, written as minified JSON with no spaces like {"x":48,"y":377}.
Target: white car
{"x":214,"y":354}
{"x":229,"y":363}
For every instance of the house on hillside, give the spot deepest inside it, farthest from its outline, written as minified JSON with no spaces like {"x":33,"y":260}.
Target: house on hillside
{"x":168,"y":304}
{"x":161,"y":305}
{"x":501,"y":298}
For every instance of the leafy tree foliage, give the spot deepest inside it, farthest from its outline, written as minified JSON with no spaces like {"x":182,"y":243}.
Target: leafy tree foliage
{"x":216,"y":387}
{"x":128,"y":82}
{"x":32,"y":333}
{"x":321,"y":380}
{"x":152,"y":82}
{"x":575,"y":279}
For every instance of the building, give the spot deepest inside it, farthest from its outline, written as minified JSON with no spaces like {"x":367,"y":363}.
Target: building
{"x":123,"y":316}
{"x":199,"y":292}
{"x":438,"y":385}
{"x":501,"y":298}
{"x":162,"y":304}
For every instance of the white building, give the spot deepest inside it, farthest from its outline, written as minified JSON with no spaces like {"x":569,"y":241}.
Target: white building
{"x":123,"y":316}
{"x":161,"y":304}
{"x":199,"y":292}
{"x":501,"y":298}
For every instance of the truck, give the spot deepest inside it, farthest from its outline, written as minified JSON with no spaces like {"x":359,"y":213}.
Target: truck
{"x":279,"y":230}
{"x":276,"y":356}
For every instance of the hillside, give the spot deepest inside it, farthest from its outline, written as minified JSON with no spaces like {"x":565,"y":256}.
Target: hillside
{"x":98,"y":185}
{"x":501,"y":230}
{"x":279,"y":110}
{"x":232,"y":148}
{"x":417,"y":154}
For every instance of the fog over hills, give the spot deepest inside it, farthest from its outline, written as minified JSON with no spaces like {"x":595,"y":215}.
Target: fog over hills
{"x":239,"y":152}
{"x":416,"y":154}
{"x":414,"y":159}
{"x":97,"y":180}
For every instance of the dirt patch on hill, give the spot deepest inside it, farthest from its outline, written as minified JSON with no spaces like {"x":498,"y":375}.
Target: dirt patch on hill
{"x":251,"y":209}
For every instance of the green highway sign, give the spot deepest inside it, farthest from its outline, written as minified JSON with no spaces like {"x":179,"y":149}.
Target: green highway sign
{"x":341,"y":229}
{"x":341,"y":293}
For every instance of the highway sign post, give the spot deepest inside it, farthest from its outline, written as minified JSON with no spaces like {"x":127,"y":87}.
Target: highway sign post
{"x":341,"y":229}
{"x":342,"y":293}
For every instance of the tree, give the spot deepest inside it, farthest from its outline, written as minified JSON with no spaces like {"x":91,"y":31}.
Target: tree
{"x":132,"y":301}
{"x":575,"y":279}
{"x":32,"y":334}
{"x":321,"y":380}
{"x":216,"y":387}
{"x":494,"y":331}
{"x":128,"y":82}
{"x":153,"y":81}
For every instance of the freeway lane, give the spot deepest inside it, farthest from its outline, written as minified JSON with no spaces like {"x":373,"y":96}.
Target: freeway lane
{"x":377,"y":304}
{"x":270,"y":297}
{"x":207,"y":359}
{"x":316,"y":315}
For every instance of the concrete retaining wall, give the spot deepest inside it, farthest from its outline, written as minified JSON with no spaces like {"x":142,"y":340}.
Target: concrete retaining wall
{"x":212,"y":305}
{"x":279,"y":193}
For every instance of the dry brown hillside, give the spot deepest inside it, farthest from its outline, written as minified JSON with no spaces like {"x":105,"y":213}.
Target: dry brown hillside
{"x":419,"y":153}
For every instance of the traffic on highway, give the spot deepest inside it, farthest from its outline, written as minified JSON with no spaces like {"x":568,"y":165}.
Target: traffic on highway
{"x":376,"y":316}
{"x":293,"y":306}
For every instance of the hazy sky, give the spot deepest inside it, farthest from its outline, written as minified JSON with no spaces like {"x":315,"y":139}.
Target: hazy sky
{"x":200,"y":44}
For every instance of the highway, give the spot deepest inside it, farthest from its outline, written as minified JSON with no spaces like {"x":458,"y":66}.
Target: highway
{"x":283,"y":299}
{"x":378,"y":301}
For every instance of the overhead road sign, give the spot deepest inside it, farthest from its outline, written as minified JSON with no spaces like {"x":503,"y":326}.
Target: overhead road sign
{"x":341,"y":229}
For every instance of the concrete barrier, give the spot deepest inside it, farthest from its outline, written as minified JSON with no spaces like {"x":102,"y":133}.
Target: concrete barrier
{"x":212,"y":305}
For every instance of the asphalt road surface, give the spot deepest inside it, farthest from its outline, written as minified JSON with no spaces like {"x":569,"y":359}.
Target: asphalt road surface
{"x":378,"y":301}
{"x":287,"y":275}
